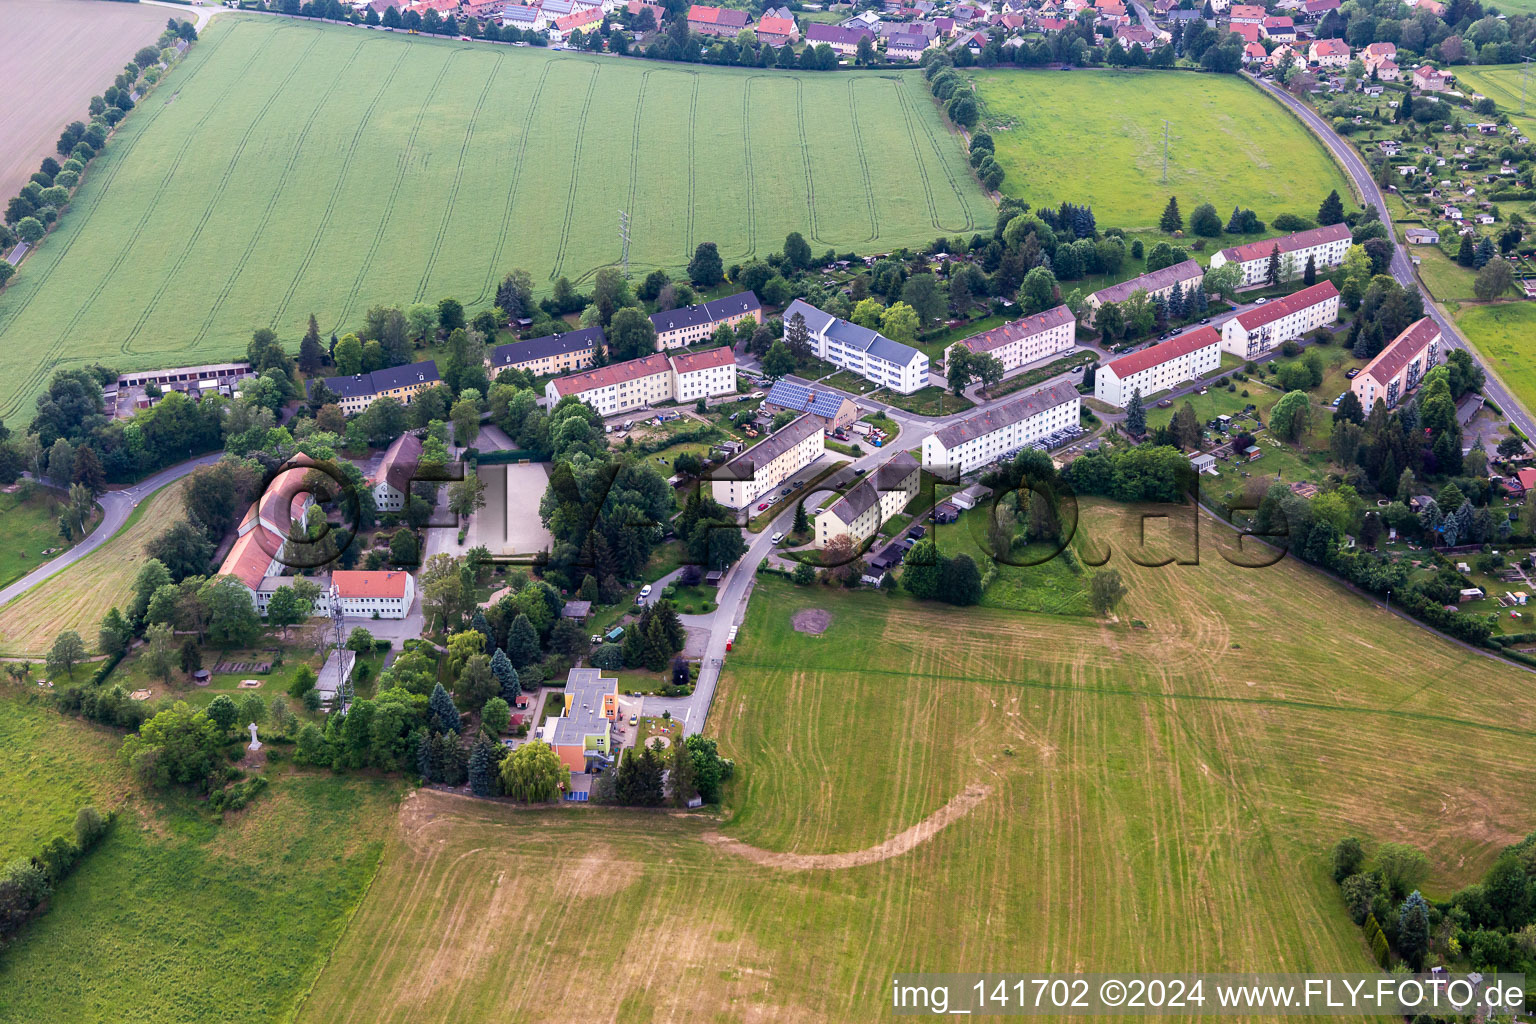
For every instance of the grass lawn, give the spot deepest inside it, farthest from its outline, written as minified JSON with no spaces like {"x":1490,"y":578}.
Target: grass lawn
{"x":1502,"y":336}
{"x":1029,"y":378}
{"x":1129,"y":782}
{"x":934,"y":347}
{"x":847,"y":380}
{"x":131,"y":674}
{"x":929,"y":401}
{"x":1446,"y":279}
{"x":1229,"y":144}
{"x":50,"y":766}
{"x":79,"y":596}
{"x":1052,"y":586}
{"x":31,"y":531}
{"x":289,"y":167}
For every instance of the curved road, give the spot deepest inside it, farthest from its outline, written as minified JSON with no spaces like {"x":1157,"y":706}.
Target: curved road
{"x":1402,"y":266}
{"x":116,"y":507}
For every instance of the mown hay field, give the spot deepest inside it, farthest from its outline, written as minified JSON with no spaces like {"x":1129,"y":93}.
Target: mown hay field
{"x":1501,"y":334}
{"x":1096,"y":137}
{"x":1154,"y":794}
{"x":288,"y":168}
{"x":77,"y":597}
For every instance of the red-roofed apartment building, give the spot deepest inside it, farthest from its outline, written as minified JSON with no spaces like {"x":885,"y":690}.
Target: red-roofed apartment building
{"x":1399,"y":367}
{"x":585,"y":22}
{"x":1326,"y":246}
{"x":1024,"y":340}
{"x":1158,"y":367}
{"x":1254,"y":332}
{"x":717,"y":21}
{"x":381,"y":594}
{"x":255,"y":559}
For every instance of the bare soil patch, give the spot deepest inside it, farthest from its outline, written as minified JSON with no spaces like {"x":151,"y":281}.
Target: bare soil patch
{"x":812,"y":620}
{"x":909,"y":839}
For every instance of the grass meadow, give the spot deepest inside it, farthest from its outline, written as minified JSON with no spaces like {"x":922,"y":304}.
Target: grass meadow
{"x":1096,"y":137}
{"x":77,"y":597}
{"x":1501,"y":82}
{"x":288,"y":167}
{"x":1157,"y":793}
{"x":30,"y":526}
{"x":1502,"y":335}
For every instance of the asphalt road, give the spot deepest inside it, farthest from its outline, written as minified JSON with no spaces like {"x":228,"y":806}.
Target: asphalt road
{"x":1402,"y":265}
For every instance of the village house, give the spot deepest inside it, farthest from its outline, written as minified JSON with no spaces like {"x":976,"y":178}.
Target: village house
{"x":483,"y":8}
{"x":1399,"y":367}
{"x":402,"y":383}
{"x":717,"y":21}
{"x":835,"y":409}
{"x":1316,"y":10}
{"x":775,"y":31}
{"x":1024,"y":340}
{"x":1158,"y":283}
{"x":1430,"y":79}
{"x":1326,"y":247}
{"x":1280,"y":29}
{"x":1134,"y":35}
{"x":583,"y":733}
{"x":906,"y":46}
{"x":1376,"y":54}
{"x":1246,"y":32}
{"x":767,"y":464}
{"x":585,"y":22}
{"x":868,"y":353}
{"x":690,"y":324}
{"x":634,"y":7}
{"x":1256,"y":331}
{"x":870,"y":502}
{"x":705,"y":374}
{"x":524,"y":18}
{"x":1329,"y":53}
{"x":991,"y":433}
{"x":1158,"y":367}
{"x":391,"y":482}
{"x":1254,"y":52}
{"x":1248,"y":14}
{"x":557,"y":353}
{"x":376,"y":594}
{"x":1422,"y":236}
{"x":1387,"y":71}
{"x":843,"y":40}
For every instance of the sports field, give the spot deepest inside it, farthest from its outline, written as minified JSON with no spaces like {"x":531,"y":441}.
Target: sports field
{"x":923,"y":788}
{"x":73,"y":49}
{"x":1502,"y":82}
{"x":1096,"y":137}
{"x":1502,"y":336}
{"x":287,"y":167}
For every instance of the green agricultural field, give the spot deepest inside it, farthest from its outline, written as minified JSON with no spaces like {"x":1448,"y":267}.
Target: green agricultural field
{"x":1096,"y":137}
{"x":1501,"y":82}
{"x":969,"y":789}
{"x":288,"y":167}
{"x":1502,"y":336}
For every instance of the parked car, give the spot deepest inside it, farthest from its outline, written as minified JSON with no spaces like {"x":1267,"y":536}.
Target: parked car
{"x":1260,"y":301}
{"x":634,"y":719}
{"x":597,"y":638}
{"x":645,"y":591}
{"x":778,"y":536}
{"x":1352,"y":374}
{"x":763,"y":507}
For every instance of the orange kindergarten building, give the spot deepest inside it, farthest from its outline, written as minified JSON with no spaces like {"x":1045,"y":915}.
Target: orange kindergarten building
{"x":584,"y":731}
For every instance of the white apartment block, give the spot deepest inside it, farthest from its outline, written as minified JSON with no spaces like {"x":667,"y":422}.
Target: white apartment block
{"x":1399,"y":367}
{"x":991,"y":433}
{"x":1254,"y":332}
{"x":870,"y":502}
{"x":868,"y":353}
{"x":1326,"y":246}
{"x":705,"y":374}
{"x":1159,"y":367}
{"x":637,"y":383}
{"x":1025,"y":340}
{"x":1186,"y":275}
{"x":382,"y":594}
{"x":767,"y":464}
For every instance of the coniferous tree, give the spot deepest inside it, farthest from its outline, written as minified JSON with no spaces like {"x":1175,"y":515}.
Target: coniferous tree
{"x":522,"y":642}
{"x":482,"y":769}
{"x":1136,"y":415}
{"x":1272,"y":272}
{"x":484,"y":628}
{"x":1309,"y":275}
{"x":680,"y":780}
{"x":802,"y":523}
{"x":429,"y":759}
{"x":1332,"y":210}
{"x":506,"y":676}
{"x":1172,"y":220}
{"x":311,"y":350}
{"x":442,"y":715}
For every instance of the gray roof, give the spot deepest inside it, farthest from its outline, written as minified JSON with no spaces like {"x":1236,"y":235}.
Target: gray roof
{"x":364,"y":384}
{"x":811,"y":398}
{"x":552,"y":345}
{"x":744,"y":466}
{"x":1189,"y":270}
{"x":819,"y":33}
{"x":910,"y":40}
{"x":1008,"y":413}
{"x":852,"y":335}
{"x":586,"y":687}
{"x":888,"y":477}
{"x":728,"y":308}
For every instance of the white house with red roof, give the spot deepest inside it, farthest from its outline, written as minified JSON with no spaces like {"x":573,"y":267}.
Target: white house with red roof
{"x":772,"y":31}
{"x":1328,"y":53}
{"x":1158,"y":367}
{"x":1377,"y":54}
{"x":1254,"y":52}
{"x":1399,"y":367}
{"x":1430,"y":79}
{"x":586,"y":22}
{"x":717,"y":21}
{"x":1248,"y":14}
{"x":257,"y":554}
{"x":1279,"y":28}
{"x":1256,"y":331}
{"x":1024,"y":340}
{"x":373,"y":594}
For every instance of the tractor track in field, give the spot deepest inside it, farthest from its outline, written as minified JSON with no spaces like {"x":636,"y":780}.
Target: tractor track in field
{"x":570,"y":194}
{"x":517,"y":170}
{"x":858,"y":147}
{"x":345,"y":163}
{"x":458,"y":176}
{"x":693,"y":163}
{"x":805,"y":159}
{"x":217,"y":195}
{"x":35,"y":378}
{"x":917,"y":155}
{"x":746,"y":151}
{"x":634,"y":142}
{"x":394,"y":191}
{"x":949,"y":175}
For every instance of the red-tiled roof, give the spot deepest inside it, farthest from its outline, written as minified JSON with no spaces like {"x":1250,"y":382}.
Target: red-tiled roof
{"x":250,"y":558}
{"x":718,"y":16}
{"x":283,"y":501}
{"x":1527,"y":478}
{"x":579,"y":19}
{"x":997,"y":337}
{"x":1331,"y":48}
{"x":724,"y":355}
{"x":776,"y":27}
{"x":1391,"y":360}
{"x":617,"y":373}
{"x":1184,"y":344}
{"x":1288,"y":243}
{"x":1248,"y":33}
{"x":1272,"y":311}
{"x":384,"y":583}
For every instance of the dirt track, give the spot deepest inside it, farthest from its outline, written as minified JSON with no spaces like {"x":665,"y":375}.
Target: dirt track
{"x":67,"y":51}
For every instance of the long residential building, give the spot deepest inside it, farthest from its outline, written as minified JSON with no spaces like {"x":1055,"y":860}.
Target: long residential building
{"x":690,"y":324}
{"x":1256,"y":331}
{"x":556,"y":353}
{"x":770,"y":462}
{"x":868,"y":353}
{"x":1326,"y":246}
{"x":637,"y":383}
{"x":993,"y":432}
{"x":1158,"y":282}
{"x":843,"y":39}
{"x":1398,"y":368}
{"x":1024,"y":340}
{"x":870,"y":502}
{"x":402,"y":383}
{"x":1158,"y":367}
{"x":257,"y":557}
{"x":378,"y":594}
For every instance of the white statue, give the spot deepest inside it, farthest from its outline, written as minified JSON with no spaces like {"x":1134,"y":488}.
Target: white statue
{"x":255,"y":743}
